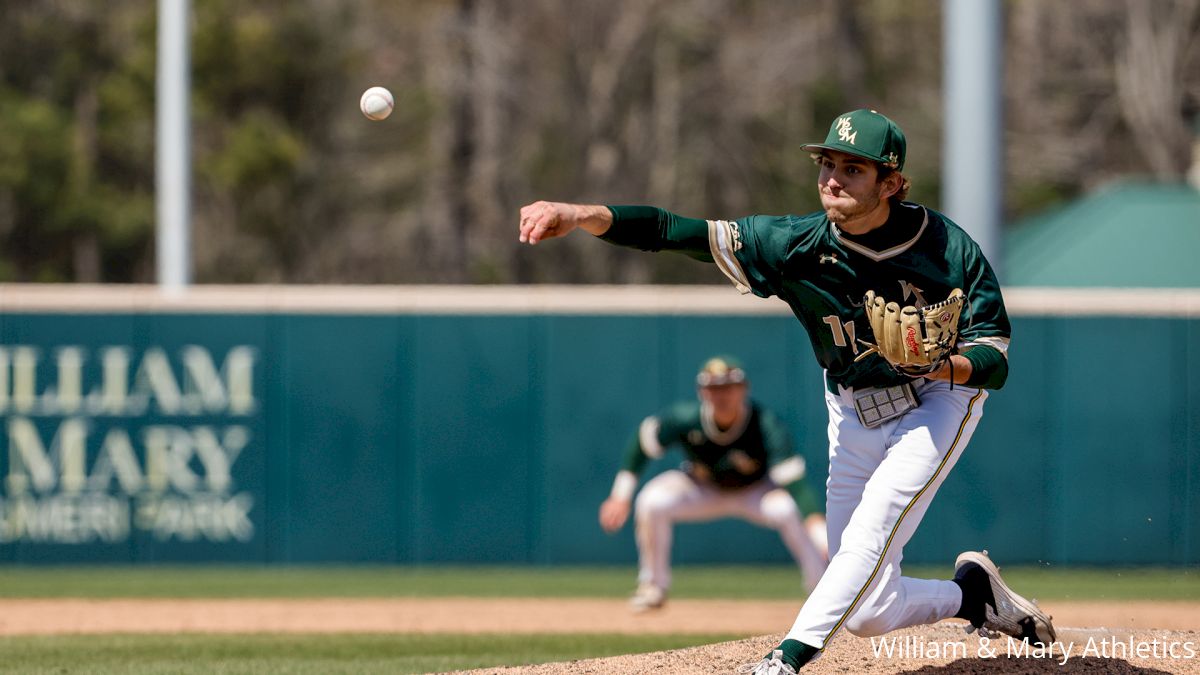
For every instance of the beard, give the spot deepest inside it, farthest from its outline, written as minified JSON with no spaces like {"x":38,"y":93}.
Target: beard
{"x":840,"y":215}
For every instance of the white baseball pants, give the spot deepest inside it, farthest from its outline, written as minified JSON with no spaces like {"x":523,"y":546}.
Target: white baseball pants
{"x":881,"y":481}
{"x":672,"y":496}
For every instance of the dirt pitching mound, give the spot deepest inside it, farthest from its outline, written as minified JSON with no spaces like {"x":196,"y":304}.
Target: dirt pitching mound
{"x":942,"y":649}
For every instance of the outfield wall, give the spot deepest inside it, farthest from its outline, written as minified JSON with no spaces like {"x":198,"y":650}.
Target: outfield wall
{"x":484,"y":424}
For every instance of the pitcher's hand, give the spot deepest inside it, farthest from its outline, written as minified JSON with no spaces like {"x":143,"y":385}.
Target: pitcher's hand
{"x":547,"y":220}
{"x":613,"y":514}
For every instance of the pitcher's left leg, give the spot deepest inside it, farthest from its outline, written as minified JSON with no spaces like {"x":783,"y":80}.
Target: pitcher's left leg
{"x":924,"y":445}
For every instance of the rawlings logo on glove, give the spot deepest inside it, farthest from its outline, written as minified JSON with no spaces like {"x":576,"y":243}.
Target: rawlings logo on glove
{"x":914,"y":341}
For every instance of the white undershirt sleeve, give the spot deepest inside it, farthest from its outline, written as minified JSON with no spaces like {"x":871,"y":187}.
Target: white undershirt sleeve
{"x":624,"y":485}
{"x":788,"y":471}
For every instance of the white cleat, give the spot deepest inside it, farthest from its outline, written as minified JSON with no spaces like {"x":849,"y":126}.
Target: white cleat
{"x":648,"y":597}
{"x":770,"y":665}
{"x":1012,"y":614}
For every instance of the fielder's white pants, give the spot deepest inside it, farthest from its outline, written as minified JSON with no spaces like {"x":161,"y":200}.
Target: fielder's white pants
{"x":881,"y":481}
{"x":672,"y":496}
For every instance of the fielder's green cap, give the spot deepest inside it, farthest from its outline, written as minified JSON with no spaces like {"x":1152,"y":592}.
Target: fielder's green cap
{"x":720,"y":370}
{"x":867,"y":134}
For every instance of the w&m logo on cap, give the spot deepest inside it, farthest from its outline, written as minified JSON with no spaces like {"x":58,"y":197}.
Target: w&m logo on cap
{"x":844,"y":131}
{"x":882,"y":139}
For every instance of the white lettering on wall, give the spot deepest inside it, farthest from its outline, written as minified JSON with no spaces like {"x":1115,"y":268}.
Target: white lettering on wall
{"x":77,"y":473}
{"x":187,"y":383}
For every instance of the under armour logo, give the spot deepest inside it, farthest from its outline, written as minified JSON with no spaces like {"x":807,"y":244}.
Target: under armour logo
{"x":845,"y":133}
{"x":827,"y":259}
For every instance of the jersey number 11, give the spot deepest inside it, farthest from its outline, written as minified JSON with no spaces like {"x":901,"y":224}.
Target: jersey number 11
{"x":840,"y":331}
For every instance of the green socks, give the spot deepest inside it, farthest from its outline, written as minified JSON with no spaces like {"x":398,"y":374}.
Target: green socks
{"x":796,"y":653}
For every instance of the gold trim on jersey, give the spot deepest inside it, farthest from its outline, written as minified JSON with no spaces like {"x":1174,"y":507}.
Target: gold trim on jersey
{"x":714,"y":432}
{"x":881,"y":255}
{"x":911,"y":503}
{"x":724,"y":241}
{"x":996,"y":342}
{"x":648,"y":438}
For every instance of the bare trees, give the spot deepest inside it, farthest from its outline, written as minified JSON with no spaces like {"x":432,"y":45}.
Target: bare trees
{"x":1096,"y":90}
{"x":1160,"y":43}
{"x":696,"y":105}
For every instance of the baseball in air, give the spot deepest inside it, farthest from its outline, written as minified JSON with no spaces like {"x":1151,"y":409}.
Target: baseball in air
{"x":376,"y":103}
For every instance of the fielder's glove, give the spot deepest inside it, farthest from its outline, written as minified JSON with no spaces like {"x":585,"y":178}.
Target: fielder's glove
{"x":914,"y":341}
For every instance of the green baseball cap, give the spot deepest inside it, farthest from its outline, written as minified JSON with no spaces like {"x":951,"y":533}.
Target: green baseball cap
{"x":720,"y":370}
{"x":867,"y":134}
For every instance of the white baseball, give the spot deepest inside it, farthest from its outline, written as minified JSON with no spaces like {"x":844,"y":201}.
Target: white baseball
{"x":376,"y":103}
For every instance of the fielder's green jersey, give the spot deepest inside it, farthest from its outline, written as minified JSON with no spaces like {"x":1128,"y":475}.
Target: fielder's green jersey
{"x":757,"y":448}
{"x":822,"y":273}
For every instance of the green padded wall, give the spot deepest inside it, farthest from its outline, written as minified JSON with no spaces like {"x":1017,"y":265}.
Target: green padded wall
{"x":481,"y":438}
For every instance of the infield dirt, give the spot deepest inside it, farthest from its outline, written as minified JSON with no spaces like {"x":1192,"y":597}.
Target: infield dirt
{"x":1143,"y":629}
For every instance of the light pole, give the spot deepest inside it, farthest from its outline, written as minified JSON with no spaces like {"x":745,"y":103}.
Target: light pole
{"x":973,"y":132}
{"x":172,"y":149}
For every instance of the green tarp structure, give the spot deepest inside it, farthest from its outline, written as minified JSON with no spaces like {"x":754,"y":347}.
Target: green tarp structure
{"x":1131,"y":234}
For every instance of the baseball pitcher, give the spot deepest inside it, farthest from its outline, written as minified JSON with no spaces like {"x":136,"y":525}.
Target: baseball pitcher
{"x":905,"y":315}
{"x":739,"y":463}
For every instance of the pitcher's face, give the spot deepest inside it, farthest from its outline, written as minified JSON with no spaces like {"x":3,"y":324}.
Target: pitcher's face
{"x":849,"y":186}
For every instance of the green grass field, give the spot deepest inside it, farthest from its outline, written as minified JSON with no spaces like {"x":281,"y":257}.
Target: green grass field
{"x":324,"y":654}
{"x":373,"y":653}
{"x":726,"y":582}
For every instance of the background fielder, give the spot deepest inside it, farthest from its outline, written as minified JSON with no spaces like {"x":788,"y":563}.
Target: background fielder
{"x":740,"y":463}
{"x":893,"y":436}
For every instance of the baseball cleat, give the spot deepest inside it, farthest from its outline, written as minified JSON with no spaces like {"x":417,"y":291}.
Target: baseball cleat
{"x":770,"y":665}
{"x":1005,"y":612}
{"x":648,"y":597}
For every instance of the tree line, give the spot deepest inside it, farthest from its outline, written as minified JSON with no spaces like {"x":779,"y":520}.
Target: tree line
{"x":698,"y":106}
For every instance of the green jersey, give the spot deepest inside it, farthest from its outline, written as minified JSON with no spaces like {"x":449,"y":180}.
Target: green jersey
{"x":757,"y":448}
{"x":822,"y":273}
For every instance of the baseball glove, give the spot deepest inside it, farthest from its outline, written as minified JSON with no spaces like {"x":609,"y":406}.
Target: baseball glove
{"x":914,"y":341}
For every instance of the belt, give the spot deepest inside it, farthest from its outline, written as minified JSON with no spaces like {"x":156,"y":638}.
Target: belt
{"x":875,"y":406}
{"x":832,"y":384}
